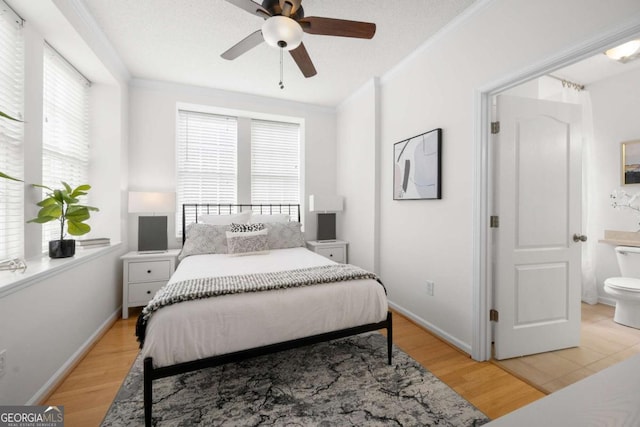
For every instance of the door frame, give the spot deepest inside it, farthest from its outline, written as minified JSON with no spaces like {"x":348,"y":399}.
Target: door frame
{"x":482,"y":274}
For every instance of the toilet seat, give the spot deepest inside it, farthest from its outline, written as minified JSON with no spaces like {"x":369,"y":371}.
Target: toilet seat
{"x":627,"y":284}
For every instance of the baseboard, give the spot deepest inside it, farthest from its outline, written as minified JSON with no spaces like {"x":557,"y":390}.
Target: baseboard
{"x":48,"y":388}
{"x":606,"y":301}
{"x":432,"y":328}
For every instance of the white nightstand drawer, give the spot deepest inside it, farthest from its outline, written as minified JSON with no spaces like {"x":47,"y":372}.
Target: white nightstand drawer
{"x":149,"y":271}
{"x":335,"y":254}
{"x":141,"y":293}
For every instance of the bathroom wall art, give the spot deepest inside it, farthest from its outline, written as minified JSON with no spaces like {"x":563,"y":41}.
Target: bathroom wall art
{"x":417,"y":167}
{"x":630,"y":162}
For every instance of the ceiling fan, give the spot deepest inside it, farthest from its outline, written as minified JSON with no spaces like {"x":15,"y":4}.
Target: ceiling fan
{"x":283,"y":28}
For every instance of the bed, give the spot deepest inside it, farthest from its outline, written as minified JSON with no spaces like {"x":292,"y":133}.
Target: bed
{"x":208,"y":332}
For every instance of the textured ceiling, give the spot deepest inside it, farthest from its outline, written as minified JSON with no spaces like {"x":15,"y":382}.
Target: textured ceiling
{"x":181,"y":41}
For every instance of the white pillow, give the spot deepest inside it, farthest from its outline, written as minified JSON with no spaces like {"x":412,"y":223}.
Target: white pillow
{"x":268,"y":219}
{"x":247,"y":242}
{"x":239,"y":218}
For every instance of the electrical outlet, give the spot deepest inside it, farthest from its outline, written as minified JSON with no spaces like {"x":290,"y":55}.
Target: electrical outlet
{"x":3,"y":361}
{"x":430,"y":286}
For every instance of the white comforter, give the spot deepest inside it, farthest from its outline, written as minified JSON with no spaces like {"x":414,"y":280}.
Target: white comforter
{"x":202,"y":328}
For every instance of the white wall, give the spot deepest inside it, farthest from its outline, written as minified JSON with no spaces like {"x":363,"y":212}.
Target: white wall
{"x":153,"y":128}
{"x":436,"y":87}
{"x":48,"y":323}
{"x":358,"y":167}
{"x":616,"y":102}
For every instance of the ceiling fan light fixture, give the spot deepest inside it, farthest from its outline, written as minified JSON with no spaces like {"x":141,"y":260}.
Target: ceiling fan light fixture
{"x":624,"y":52}
{"x":282,"y":32}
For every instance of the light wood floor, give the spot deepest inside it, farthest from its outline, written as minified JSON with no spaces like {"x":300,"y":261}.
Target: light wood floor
{"x":602,"y":343}
{"x":88,"y":391}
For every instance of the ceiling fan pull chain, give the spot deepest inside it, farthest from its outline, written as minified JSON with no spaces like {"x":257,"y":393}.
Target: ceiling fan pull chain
{"x":281,"y":69}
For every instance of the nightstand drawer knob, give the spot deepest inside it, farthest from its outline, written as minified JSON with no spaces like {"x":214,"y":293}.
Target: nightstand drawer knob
{"x":331,"y":255}
{"x":149,"y":271}
{"x":148,"y":292}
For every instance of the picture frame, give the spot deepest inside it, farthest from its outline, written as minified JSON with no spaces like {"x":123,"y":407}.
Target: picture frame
{"x":630,"y":165}
{"x":417,"y":167}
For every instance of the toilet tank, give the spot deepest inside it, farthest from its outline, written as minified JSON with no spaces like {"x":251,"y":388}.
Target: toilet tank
{"x":629,"y":261}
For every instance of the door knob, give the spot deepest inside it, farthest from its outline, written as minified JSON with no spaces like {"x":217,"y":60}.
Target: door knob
{"x":579,"y":238}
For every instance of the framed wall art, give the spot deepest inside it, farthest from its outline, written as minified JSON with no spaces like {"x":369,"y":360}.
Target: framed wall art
{"x":417,"y":167}
{"x":630,"y":162}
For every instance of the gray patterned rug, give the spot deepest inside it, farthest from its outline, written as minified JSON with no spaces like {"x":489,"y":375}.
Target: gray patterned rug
{"x":345,"y":382}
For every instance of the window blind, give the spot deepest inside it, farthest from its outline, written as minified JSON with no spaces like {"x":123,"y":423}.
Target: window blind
{"x":65,"y":145}
{"x":11,"y":133}
{"x":275,"y":163}
{"x":207,"y":160}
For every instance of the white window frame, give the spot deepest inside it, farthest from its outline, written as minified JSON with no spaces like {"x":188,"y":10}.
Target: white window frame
{"x":65,"y":129}
{"x":12,"y":79}
{"x":244,"y":152}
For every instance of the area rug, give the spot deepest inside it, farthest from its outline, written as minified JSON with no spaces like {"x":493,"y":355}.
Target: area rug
{"x":345,"y":382}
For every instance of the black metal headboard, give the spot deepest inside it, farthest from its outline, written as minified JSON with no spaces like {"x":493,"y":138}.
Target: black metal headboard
{"x":191,"y":211}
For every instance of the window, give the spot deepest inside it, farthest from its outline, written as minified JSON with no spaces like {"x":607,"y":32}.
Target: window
{"x":65,"y":146}
{"x":227,"y":159}
{"x":275,"y":162}
{"x":206,"y":160}
{"x":11,"y":133}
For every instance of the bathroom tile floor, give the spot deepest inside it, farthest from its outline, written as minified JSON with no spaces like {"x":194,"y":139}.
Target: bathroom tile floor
{"x":602,"y":343}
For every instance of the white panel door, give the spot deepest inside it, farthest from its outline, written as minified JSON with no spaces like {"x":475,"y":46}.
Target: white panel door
{"x":537,"y":276}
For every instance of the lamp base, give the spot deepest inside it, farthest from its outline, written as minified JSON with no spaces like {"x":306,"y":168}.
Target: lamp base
{"x":326,"y":227}
{"x":152,"y":233}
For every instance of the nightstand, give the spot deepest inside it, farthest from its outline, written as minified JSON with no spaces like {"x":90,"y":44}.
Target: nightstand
{"x":143,"y":274}
{"x":335,"y":250}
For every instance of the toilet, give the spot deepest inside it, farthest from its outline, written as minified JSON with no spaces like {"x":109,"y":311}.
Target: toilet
{"x":626,"y":290}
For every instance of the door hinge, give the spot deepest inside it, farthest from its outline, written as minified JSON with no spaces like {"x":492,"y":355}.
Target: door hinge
{"x":493,"y":315}
{"x":494,"y":221}
{"x":495,"y":127}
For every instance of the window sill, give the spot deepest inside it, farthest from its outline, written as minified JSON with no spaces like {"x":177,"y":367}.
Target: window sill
{"x":43,"y":267}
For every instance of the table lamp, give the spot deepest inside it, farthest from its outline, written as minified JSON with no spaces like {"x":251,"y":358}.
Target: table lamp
{"x":152,"y":230}
{"x":326,"y":206}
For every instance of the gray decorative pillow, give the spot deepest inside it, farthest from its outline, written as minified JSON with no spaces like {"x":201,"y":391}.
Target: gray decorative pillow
{"x":204,"y":239}
{"x":239,"y":228}
{"x":283,"y":235}
{"x":247,"y":242}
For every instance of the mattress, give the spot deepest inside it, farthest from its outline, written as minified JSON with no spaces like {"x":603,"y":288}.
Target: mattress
{"x":193,"y":330}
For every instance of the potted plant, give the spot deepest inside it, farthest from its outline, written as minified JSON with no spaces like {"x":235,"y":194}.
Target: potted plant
{"x":64,"y":206}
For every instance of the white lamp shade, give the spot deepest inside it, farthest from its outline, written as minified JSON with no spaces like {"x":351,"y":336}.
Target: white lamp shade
{"x":318,"y":203}
{"x":280,"y":31}
{"x":150,"y":202}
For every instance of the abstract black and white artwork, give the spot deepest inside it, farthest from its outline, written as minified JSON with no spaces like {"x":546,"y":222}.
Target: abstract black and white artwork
{"x":417,"y":167}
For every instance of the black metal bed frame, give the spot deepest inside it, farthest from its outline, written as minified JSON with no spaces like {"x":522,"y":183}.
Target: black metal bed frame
{"x":151,"y":373}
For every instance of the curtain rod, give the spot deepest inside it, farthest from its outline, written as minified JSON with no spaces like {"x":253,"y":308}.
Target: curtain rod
{"x":569,"y":83}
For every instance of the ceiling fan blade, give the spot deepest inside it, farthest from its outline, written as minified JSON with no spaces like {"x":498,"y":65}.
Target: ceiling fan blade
{"x":244,"y":45}
{"x":301,"y":56}
{"x":251,"y":7}
{"x":337,"y":27}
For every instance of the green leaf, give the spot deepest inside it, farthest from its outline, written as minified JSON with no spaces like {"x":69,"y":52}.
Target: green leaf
{"x":57,"y":194}
{"x":49,"y":201}
{"x":81,"y":190}
{"x":51,"y":211}
{"x":77,"y":228}
{"x":77,"y":214}
{"x":5,"y":176}
{"x":42,"y":186}
{"x":6,"y":116}
{"x":68,"y":199}
{"x":42,"y":220}
{"x":66,"y":186}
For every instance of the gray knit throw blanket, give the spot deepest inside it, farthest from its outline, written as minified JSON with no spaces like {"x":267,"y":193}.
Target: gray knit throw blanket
{"x":207,"y":287}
